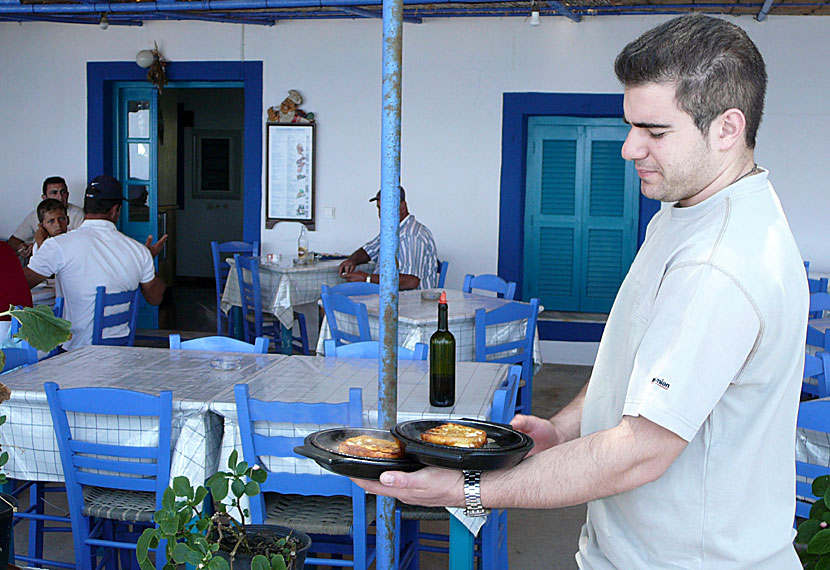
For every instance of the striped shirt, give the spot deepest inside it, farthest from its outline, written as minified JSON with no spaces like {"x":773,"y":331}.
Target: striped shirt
{"x":417,"y":254}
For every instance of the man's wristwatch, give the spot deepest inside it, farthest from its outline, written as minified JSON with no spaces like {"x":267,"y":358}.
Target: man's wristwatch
{"x":472,"y":495}
{"x":369,"y":278}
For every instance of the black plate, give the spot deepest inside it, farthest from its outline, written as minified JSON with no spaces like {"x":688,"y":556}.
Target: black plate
{"x":321,"y":446}
{"x":505,"y":446}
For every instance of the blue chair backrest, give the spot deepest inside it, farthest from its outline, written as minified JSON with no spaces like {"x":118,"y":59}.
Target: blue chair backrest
{"x":250,"y":292}
{"x":442,"y":273}
{"x":489,"y":282}
{"x":18,"y":356}
{"x":819,"y":302}
{"x":812,"y":415}
{"x":523,"y":348}
{"x":219,"y":344}
{"x":110,"y":465}
{"x":817,"y":338}
{"x":256,"y":446}
{"x":334,"y":303}
{"x":369,"y":349}
{"x":57,"y":308}
{"x":817,"y":285}
{"x":128,"y":316}
{"x":221,"y":269}
{"x":504,"y":399}
{"x":352,"y":288}
{"x":817,"y":367}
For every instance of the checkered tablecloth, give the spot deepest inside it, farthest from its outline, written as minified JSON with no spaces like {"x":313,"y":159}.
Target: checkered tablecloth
{"x":283,"y":287}
{"x":418,"y":319}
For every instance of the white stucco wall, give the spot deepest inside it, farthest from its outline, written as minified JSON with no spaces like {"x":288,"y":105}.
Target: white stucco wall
{"x":454,"y":74}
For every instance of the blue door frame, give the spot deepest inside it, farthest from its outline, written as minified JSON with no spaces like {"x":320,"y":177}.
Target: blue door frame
{"x":101,"y":132}
{"x":516,"y":108}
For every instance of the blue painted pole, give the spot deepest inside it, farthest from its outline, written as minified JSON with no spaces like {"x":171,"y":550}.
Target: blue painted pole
{"x":390,"y":176}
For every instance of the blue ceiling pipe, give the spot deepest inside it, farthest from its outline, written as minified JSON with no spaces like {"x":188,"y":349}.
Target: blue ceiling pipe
{"x":762,"y":14}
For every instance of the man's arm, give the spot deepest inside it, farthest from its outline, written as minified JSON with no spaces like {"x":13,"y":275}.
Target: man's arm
{"x":33,"y":278}
{"x":562,"y":427}
{"x":635,"y":452}
{"x":153,"y":291}
{"x":348,"y":265}
{"x":405,"y":281}
{"x":20,"y":246}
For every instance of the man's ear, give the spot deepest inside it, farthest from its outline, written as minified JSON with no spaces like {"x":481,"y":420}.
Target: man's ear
{"x":728,"y":129}
{"x":115,"y":211}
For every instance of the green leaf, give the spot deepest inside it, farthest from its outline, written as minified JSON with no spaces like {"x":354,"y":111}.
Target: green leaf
{"x":142,"y":545}
{"x":238,"y":488}
{"x":241,"y":468}
{"x":182,"y":487}
{"x":820,"y":543}
{"x":252,"y":488}
{"x":278,"y":562}
{"x":259,"y":562}
{"x":146,"y":564}
{"x":200,"y":495}
{"x":168,"y":499}
{"x":193,"y":557}
{"x":169,"y":526}
{"x":823,"y":564}
{"x":820,"y":485}
{"x":232,"y":459}
{"x":180,"y":552}
{"x":219,"y":489}
{"x":807,"y":530}
{"x":818,"y":509}
{"x":4,"y":458}
{"x":41,"y":328}
{"x":218,"y":563}
{"x":259,"y":474}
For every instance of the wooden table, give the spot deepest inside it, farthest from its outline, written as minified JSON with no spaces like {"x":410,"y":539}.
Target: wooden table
{"x":418,"y":319}
{"x":204,"y":417}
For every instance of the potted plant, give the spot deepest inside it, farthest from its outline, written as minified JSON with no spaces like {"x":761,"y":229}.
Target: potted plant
{"x":813,"y":537}
{"x":44,"y":331}
{"x":220,"y":541}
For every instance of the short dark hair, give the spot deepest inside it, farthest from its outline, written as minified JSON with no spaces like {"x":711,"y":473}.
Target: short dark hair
{"x":713,"y":63}
{"x":52,"y":180}
{"x":99,"y":205}
{"x":49,"y":205}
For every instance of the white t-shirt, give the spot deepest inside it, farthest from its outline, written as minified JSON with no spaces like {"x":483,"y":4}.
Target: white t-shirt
{"x":27,"y":228}
{"x":706,"y":339}
{"x":95,"y":254}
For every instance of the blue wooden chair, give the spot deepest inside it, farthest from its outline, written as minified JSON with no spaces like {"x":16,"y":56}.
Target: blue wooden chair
{"x":488,"y":282}
{"x":326,"y":506}
{"x":369,"y":349}
{"x":819,"y":302}
{"x":492,"y":540}
{"x":57,"y":310}
{"x":817,"y":285}
{"x":127,"y":317}
{"x":812,"y":415}
{"x":442,"y":273}
{"x":108,"y":484}
{"x":22,"y":356}
{"x":352,"y":288}
{"x":256,"y":322}
{"x":818,"y":338}
{"x":517,"y":351}
{"x":334,"y":303}
{"x":219,"y":344}
{"x":816,"y":367}
{"x":221,"y":269}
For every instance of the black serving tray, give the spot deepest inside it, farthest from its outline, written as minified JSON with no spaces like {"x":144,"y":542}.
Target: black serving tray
{"x":505,"y":446}
{"x":321,"y":446}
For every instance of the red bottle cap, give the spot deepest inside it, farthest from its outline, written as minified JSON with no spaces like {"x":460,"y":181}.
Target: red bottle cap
{"x":443,"y":298}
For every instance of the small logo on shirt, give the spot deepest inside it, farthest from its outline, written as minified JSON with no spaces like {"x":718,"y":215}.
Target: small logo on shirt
{"x":660,"y":382}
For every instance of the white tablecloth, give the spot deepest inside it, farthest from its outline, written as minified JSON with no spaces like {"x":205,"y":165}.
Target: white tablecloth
{"x":418,"y":319}
{"x":283,"y":287}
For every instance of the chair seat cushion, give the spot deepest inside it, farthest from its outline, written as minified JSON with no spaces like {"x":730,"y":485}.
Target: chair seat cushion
{"x":267,"y":318}
{"x":120,"y":505}
{"x":314,"y":514}
{"x":419,"y":513}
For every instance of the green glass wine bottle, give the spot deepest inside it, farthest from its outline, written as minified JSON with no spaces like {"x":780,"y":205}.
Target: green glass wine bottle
{"x":442,"y":360}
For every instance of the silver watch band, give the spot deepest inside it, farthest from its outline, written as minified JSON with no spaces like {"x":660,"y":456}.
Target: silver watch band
{"x":472,"y":495}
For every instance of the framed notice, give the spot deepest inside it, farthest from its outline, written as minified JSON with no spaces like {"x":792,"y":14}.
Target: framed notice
{"x":289,"y":159}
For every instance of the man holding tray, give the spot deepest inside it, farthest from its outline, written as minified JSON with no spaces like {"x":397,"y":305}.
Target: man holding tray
{"x":683,"y":441}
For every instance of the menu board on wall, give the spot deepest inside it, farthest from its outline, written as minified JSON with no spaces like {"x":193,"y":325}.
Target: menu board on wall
{"x":290,"y":173}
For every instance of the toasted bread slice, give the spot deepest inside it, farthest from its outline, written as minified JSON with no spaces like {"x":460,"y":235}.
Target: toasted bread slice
{"x":368,"y":446}
{"x":455,"y":435}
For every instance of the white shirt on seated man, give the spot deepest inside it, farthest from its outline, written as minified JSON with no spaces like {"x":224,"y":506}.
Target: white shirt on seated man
{"x":93,"y":255}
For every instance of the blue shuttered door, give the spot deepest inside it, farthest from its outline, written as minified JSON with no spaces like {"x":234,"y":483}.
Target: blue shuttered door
{"x":580,"y":213}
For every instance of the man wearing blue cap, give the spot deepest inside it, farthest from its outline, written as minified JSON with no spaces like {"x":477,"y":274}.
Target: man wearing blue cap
{"x":97,"y":254}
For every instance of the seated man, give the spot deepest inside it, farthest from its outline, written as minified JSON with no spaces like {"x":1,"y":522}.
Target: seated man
{"x":52,"y":221}
{"x":53,"y":187}
{"x":93,"y":255}
{"x":417,"y":255}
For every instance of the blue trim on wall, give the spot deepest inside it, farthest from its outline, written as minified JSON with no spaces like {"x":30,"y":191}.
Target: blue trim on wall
{"x":516,"y":108}
{"x":101,"y":75}
{"x":568,"y":331}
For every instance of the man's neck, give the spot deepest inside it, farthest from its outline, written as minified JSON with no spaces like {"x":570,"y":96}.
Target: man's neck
{"x":98,"y":217}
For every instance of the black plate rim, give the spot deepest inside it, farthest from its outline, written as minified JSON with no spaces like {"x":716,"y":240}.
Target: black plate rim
{"x":311,"y":439}
{"x":481,"y":424}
